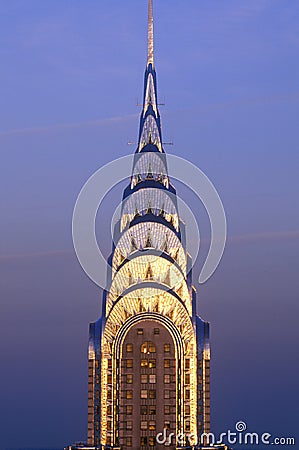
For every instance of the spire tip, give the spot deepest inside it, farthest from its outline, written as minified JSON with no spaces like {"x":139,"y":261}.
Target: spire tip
{"x":150,"y":51}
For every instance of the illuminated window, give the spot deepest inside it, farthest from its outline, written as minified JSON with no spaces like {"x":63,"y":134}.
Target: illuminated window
{"x":152,"y":348}
{"x":149,"y":273}
{"x":129,"y":410}
{"x":129,"y":363}
{"x":167,"y":363}
{"x":140,"y":331}
{"x":109,"y":410}
{"x":156,"y":331}
{"x":152,"y":363}
{"x":166,"y":409}
{"x":129,"y":378}
{"x":109,"y":363}
{"x":166,"y":348}
{"x":144,"y":378}
{"x":144,"y":363}
{"x":129,"y":441}
{"x":129,"y":425}
{"x":143,"y":425}
{"x":152,"y":410}
{"x":143,"y":440}
{"x":143,"y":410}
{"x":152,"y":425}
{"x":148,"y":347}
{"x":129,"y":348}
{"x":144,"y":348}
{"x":151,"y":441}
{"x":143,"y":393}
{"x":152,"y":378}
{"x":167,"y":378}
{"x":129,"y":394}
{"x":167,"y":425}
{"x":109,"y":378}
{"x":166,"y":393}
{"x":152,"y":393}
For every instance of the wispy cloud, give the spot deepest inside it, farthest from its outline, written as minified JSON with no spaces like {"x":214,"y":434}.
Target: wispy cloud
{"x":245,"y":101}
{"x":258,"y":100}
{"x":279,"y":98}
{"x":239,"y":239}
{"x":265,"y":236}
{"x":34,"y":255}
{"x":66,"y":126}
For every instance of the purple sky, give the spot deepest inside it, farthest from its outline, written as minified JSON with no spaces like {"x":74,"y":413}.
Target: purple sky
{"x":71,"y":73}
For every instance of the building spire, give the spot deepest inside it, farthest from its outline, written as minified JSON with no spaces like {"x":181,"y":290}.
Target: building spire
{"x":150,"y":51}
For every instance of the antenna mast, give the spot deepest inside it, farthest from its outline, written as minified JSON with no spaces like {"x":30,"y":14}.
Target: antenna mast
{"x":150,"y":50}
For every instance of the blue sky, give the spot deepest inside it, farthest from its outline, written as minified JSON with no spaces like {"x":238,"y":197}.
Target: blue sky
{"x":71,"y":73}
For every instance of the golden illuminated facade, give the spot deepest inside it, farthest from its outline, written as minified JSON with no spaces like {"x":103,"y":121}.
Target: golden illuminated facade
{"x":149,"y":361}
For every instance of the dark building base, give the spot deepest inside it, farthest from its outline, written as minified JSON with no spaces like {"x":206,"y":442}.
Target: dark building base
{"x":102,"y":447}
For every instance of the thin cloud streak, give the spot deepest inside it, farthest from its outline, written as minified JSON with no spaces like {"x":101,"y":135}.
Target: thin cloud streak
{"x":294,"y":97}
{"x":253,"y":101}
{"x":66,"y":126}
{"x":243,"y":238}
{"x":34,"y":255}
{"x":265,"y":236}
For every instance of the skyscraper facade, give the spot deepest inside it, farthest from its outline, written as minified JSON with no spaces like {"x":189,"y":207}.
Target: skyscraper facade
{"x":149,"y":360}
{"x":148,"y":357}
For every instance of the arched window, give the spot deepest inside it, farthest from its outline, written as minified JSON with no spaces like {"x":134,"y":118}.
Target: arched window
{"x":148,"y":347}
